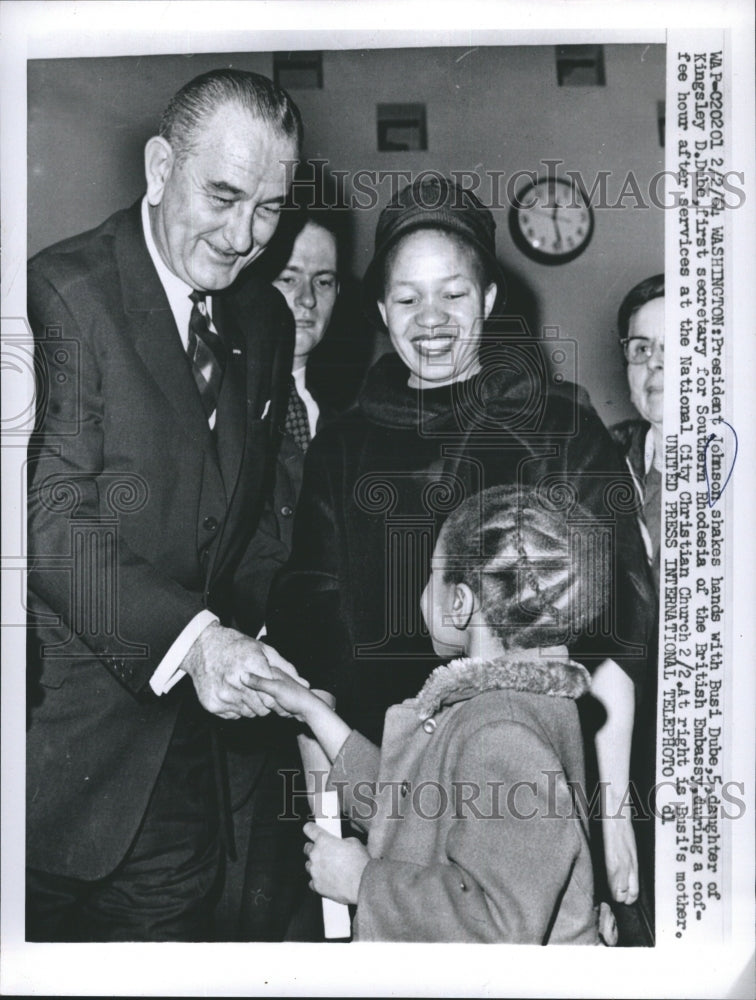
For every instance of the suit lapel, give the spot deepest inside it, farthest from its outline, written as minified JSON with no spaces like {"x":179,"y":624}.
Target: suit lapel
{"x":153,"y":329}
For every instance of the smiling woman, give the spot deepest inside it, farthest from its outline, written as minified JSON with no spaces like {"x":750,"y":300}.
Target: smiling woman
{"x":438,"y":422}
{"x":434,"y":304}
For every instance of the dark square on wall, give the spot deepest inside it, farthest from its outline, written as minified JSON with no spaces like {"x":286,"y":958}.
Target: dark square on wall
{"x":401,"y":127}
{"x":580,"y":65}
{"x":298,"y":70}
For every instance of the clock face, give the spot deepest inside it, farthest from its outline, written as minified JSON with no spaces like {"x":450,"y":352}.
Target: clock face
{"x":552,"y":221}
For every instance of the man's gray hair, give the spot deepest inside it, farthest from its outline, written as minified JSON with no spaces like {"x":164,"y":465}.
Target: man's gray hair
{"x":191,"y":106}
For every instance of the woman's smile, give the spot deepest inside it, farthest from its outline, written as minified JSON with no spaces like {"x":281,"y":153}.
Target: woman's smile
{"x":434,"y":307}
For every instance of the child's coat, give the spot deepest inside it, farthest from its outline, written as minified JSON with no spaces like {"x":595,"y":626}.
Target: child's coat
{"x":474,"y":834}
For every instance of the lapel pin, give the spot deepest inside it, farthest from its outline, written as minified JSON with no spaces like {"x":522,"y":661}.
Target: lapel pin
{"x":236,"y":350}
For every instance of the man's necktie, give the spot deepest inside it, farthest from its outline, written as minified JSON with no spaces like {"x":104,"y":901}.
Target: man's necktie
{"x":207,"y":354}
{"x":297,"y":423}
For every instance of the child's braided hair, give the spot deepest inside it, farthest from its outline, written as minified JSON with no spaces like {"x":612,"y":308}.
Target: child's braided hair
{"x":540,"y":571}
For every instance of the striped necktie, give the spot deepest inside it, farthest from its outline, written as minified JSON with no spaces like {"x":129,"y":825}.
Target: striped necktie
{"x":207,"y":354}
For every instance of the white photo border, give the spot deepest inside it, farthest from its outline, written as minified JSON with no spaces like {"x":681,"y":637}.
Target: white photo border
{"x":66,"y":29}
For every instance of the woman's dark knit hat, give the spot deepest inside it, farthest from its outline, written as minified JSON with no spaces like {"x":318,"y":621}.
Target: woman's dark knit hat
{"x":431,"y":202}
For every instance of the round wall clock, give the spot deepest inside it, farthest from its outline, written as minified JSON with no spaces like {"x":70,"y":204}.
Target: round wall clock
{"x":551,"y":220}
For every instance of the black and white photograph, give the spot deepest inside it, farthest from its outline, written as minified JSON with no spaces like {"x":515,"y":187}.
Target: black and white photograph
{"x":368,"y":580}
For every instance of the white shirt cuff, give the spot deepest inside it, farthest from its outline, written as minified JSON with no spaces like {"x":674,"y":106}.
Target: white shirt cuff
{"x":169,"y":670}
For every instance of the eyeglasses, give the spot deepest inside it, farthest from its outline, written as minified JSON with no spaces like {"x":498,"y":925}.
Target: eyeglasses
{"x":639,"y":350}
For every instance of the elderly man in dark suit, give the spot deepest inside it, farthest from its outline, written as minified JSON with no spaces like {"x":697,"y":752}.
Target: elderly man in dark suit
{"x":165,"y":368}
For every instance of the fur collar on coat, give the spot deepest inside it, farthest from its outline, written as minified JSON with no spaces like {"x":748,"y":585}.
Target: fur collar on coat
{"x":464,"y":678}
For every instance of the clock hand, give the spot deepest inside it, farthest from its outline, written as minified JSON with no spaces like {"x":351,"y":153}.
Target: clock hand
{"x":558,"y":241}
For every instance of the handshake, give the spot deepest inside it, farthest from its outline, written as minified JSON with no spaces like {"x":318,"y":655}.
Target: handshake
{"x":227,"y":667}
{"x":237,"y":676}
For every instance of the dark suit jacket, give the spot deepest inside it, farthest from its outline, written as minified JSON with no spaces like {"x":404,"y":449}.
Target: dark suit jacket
{"x":246,"y":741}
{"x":289,"y":471}
{"x":138,"y":519}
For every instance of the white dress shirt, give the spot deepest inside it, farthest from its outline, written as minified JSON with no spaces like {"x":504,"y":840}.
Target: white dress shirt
{"x":313,"y":410}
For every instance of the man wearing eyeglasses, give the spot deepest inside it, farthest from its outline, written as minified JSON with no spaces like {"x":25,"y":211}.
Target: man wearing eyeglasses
{"x":641,"y":329}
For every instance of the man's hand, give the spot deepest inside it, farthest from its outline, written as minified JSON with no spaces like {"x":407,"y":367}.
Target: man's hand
{"x":218,"y":663}
{"x":335,"y":866}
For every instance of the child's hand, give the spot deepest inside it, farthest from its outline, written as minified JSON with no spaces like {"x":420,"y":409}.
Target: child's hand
{"x":621,"y":858}
{"x":335,"y":866}
{"x":290,"y":696}
{"x":275,"y":659}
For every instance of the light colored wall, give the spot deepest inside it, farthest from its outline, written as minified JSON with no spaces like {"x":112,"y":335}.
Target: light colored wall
{"x":488,"y":109}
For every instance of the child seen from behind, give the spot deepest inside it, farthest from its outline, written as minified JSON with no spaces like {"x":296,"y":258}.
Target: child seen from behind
{"x":475,"y":832}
